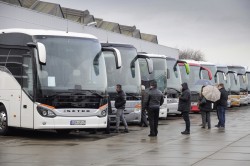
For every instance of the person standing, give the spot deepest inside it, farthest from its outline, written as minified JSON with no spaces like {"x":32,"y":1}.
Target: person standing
{"x":153,"y":99}
{"x":120,"y":101}
{"x":144,"y":121}
{"x":185,"y":106}
{"x":205,"y":108}
{"x":221,"y":106}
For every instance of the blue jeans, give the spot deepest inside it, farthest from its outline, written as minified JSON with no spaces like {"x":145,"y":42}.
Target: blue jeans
{"x":221,"y":115}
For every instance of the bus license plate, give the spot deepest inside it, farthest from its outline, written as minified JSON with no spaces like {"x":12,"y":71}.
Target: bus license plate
{"x":77,"y":122}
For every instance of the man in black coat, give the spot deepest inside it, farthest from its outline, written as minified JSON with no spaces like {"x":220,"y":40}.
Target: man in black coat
{"x":185,"y":106}
{"x":153,"y":99}
{"x":120,"y":101}
{"x":222,"y":106}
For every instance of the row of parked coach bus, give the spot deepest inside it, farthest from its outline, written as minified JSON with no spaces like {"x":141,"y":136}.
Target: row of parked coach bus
{"x":66,"y":81}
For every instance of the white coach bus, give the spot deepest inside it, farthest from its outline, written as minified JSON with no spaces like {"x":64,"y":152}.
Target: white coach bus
{"x":52,"y":80}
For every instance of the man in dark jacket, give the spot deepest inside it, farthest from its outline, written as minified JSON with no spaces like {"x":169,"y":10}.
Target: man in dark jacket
{"x":120,"y":101}
{"x":222,"y":106}
{"x":153,"y":99}
{"x":185,"y":106}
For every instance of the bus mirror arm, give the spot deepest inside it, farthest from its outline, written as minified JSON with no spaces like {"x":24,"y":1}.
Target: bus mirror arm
{"x":117,"y":54}
{"x":149,"y":62}
{"x":187,"y":67}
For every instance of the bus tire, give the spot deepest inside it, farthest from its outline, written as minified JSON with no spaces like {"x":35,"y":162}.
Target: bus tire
{"x":4,"y":129}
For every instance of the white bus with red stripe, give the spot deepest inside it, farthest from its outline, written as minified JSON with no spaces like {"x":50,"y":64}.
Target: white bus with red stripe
{"x":196,"y":73}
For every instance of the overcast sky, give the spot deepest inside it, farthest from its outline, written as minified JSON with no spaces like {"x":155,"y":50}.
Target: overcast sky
{"x":218,"y":28}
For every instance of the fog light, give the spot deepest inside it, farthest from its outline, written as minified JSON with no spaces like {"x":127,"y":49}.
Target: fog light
{"x":103,"y":113}
{"x":44,"y":113}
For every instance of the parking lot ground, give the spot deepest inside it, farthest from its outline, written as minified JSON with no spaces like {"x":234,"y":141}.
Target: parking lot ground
{"x":203,"y":147}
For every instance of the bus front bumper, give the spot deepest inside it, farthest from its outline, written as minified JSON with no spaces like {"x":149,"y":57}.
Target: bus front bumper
{"x":71,"y":123}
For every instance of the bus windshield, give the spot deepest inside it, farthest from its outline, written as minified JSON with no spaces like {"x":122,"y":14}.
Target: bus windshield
{"x":159,"y":73}
{"x":174,"y":80}
{"x":192,"y":78}
{"x":221,"y":79}
{"x":248,"y":80}
{"x":235,"y":85}
{"x":69,"y":64}
{"x":243,"y":83}
{"x":123,"y":76}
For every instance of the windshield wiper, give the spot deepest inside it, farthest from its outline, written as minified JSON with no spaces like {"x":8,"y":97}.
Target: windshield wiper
{"x":130,"y":94}
{"x":55,"y":94}
{"x":242,"y":89}
{"x":91,"y":91}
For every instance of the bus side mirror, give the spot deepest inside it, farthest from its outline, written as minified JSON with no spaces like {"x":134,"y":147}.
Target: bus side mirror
{"x":224,"y":77}
{"x":244,"y":78}
{"x":148,"y":60}
{"x":117,"y":54}
{"x":41,"y":51}
{"x":235,"y":78}
{"x":150,"y":65}
{"x":168,"y":74}
{"x":210,"y":76}
{"x":187,"y":67}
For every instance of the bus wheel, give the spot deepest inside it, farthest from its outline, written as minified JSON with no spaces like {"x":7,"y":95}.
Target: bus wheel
{"x":3,"y":121}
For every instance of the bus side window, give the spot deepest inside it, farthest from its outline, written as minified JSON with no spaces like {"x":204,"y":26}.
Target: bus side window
{"x":27,"y":75}
{"x":14,"y":64}
{"x":18,"y":62}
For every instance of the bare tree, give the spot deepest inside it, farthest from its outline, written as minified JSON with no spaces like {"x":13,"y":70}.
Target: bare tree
{"x":191,"y":54}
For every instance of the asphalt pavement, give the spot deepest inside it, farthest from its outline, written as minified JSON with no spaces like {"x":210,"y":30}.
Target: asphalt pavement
{"x":203,"y":147}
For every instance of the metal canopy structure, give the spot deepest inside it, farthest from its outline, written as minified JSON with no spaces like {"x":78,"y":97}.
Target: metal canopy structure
{"x":27,"y":3}
{"x":82,"y":17}
{"x":149,"y":37}
{"x":110,"y":26}
{"x":47,"y":7}
{"x":130,"y":31}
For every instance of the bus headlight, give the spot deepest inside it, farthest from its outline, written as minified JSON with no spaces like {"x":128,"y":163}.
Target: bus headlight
{"x":137,"y":108}
{"x":46,"y":110}
{"x":103,"y":110}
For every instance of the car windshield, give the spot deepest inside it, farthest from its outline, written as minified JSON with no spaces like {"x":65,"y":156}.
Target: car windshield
{"x":235,"y":85}
{"x":174,"y":80}
{"x":213,"y":70}
{"x":191,"y":78}
{"x":70,"y":64}
{"x":126,"y":76}
{"x":159,"y":73}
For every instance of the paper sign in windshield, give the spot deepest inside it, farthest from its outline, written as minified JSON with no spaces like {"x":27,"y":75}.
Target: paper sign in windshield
{"x":51,"y":81}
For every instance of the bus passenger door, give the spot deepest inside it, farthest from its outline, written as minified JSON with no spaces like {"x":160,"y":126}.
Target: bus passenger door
{"x":27,"y":104}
